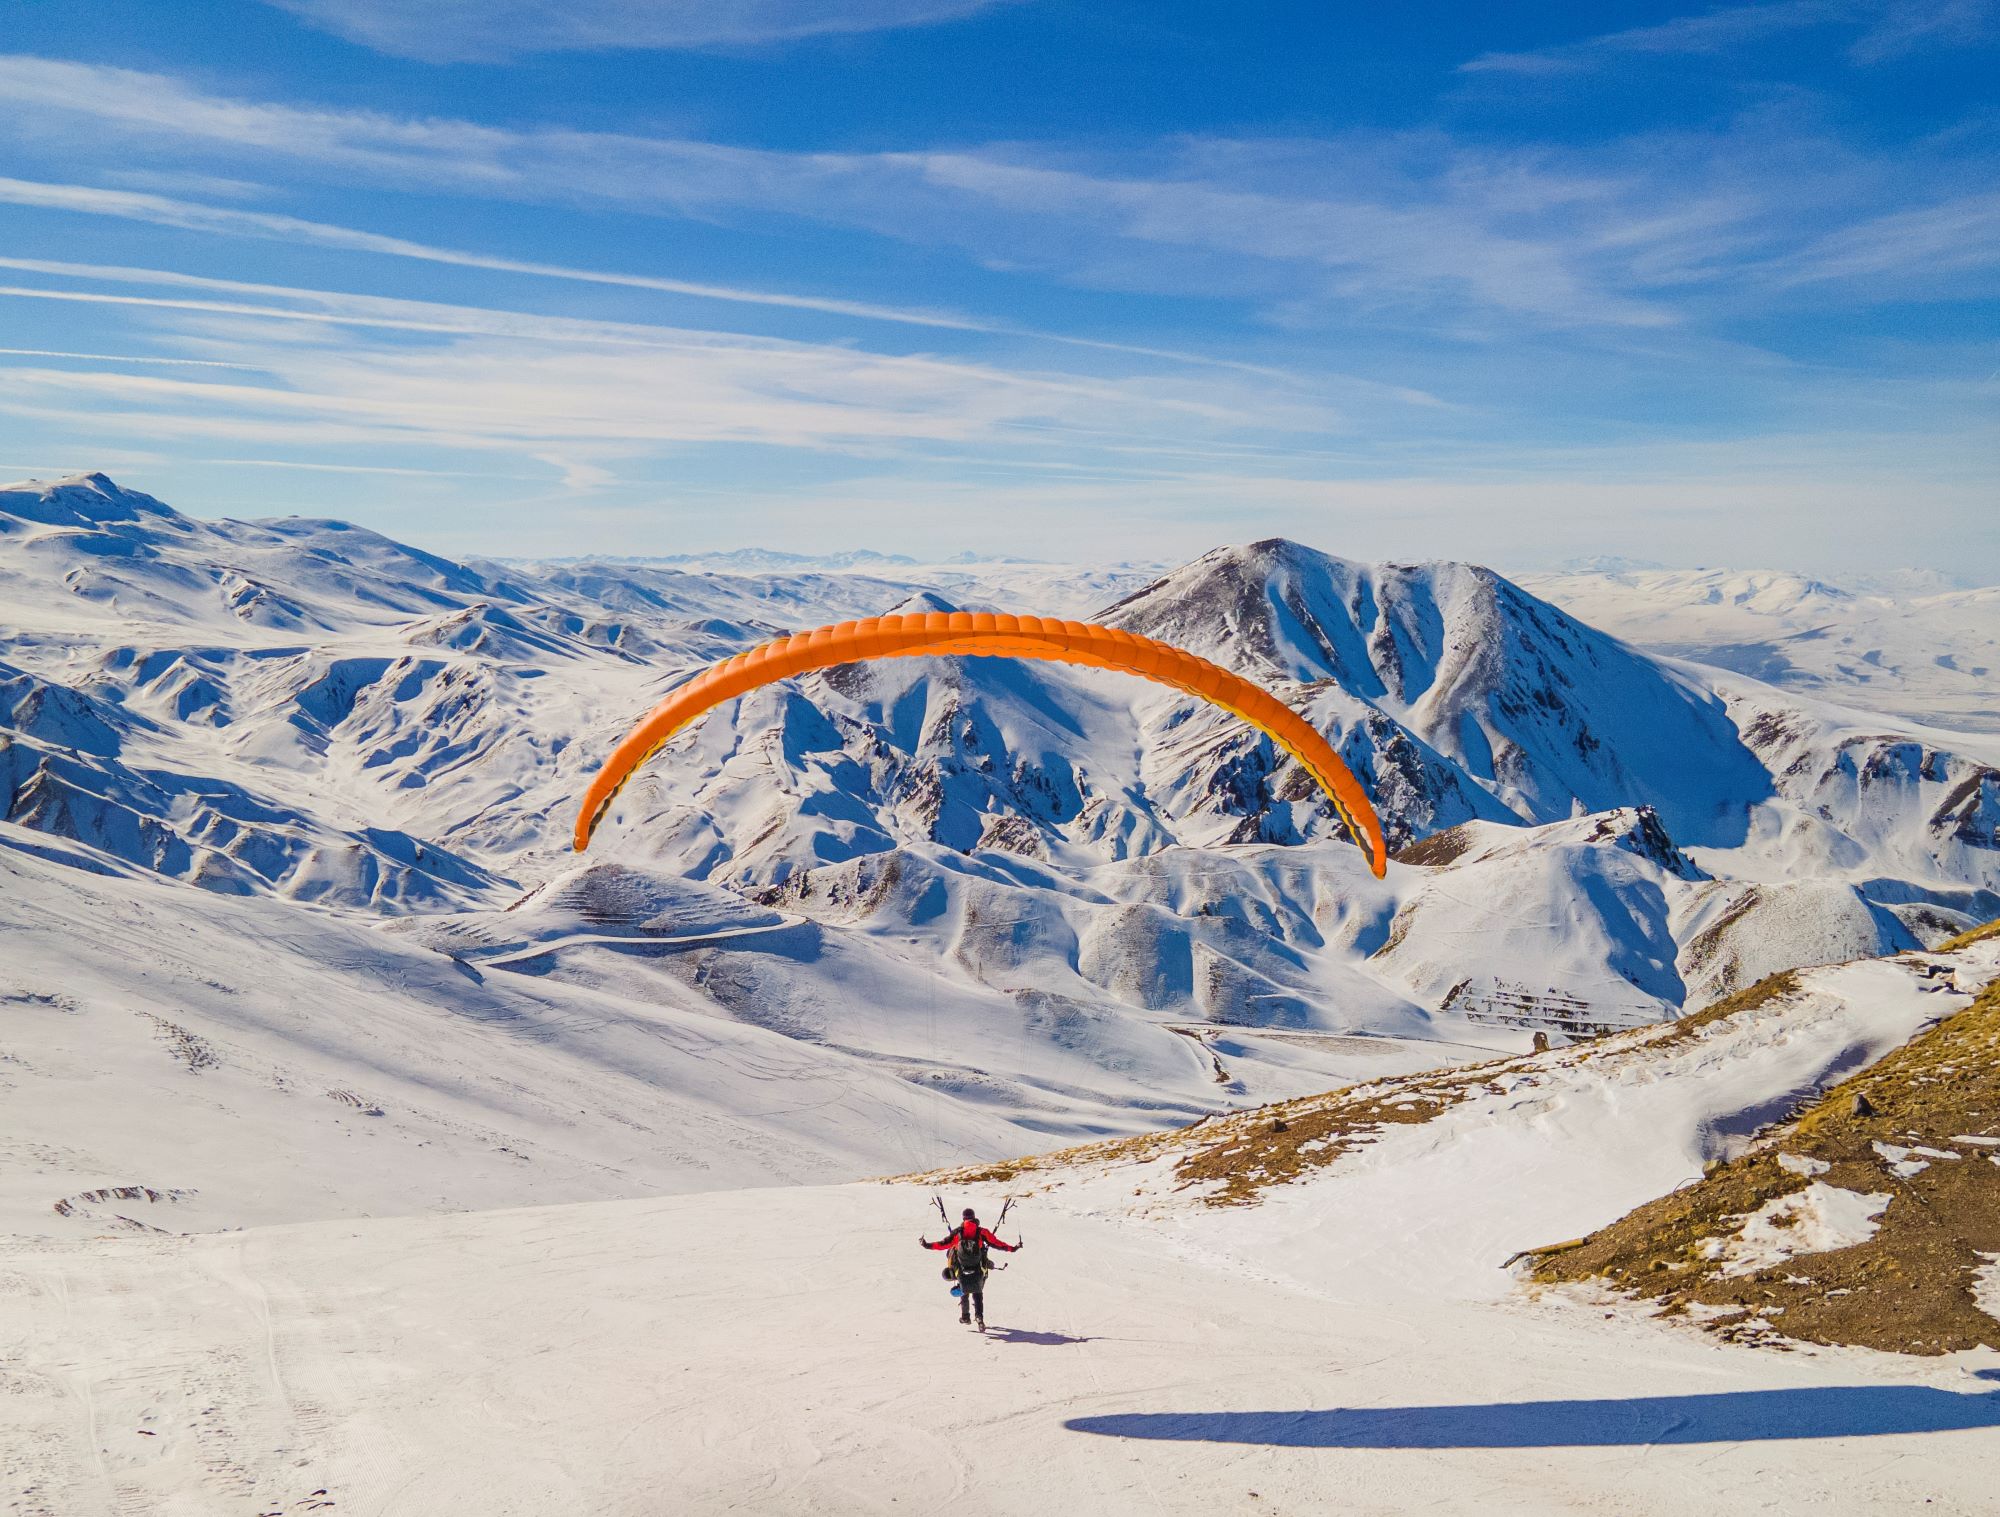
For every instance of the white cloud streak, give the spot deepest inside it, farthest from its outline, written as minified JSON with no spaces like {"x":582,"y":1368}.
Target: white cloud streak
{"x":161,"y":210}
{"x":340,"y":309}
{"x":1430,"y":241}
{"x":194,"y":363}
{"x":1710,"y":32}
{"x":1888,"y":29}
{"x":444,"y":31}
{"x":192,"y":216}
{"x":1958,"y":235}
{"x":583,"y":395}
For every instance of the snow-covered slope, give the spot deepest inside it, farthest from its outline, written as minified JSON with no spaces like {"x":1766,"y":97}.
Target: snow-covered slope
{"x":181,"y":1070}
{"x":743,"y":1350}
{"x":1432,"y":1184}
{"x":177,"y":1061}
{"x":1070,"y":901}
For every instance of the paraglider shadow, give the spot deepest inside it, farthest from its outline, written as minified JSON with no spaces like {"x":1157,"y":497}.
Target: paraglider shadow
{"x":1829,"y":1411}
{"x":1024,"y":1335}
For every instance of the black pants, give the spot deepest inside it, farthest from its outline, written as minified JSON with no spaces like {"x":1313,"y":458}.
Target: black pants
{"x":972,"y":1297}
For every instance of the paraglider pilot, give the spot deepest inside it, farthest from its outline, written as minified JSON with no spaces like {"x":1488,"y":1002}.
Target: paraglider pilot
{"x":969,"y":1263}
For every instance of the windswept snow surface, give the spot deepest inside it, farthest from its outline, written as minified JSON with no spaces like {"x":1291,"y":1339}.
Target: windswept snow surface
{"x":1356,"y":1333}
{"x":1562,"y":1146}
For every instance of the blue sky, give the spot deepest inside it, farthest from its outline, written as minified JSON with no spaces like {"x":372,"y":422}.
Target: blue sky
{"x":1515,"y":283}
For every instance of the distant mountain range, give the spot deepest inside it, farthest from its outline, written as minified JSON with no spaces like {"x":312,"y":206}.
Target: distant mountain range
{"x":758,"y":560}
{"x":997,"y":899}
{"x":1916,"y":645}
{"x":738,"y":560}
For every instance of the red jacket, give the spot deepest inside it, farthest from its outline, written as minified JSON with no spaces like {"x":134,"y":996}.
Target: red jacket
{"x":971,"y":1232}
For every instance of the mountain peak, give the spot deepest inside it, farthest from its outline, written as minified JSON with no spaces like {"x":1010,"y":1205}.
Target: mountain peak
{"x":920,"y":603}
{"x":79,"y":500}
{"x":1534,"y":706}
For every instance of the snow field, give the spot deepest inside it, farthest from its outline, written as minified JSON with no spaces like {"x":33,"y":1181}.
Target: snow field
{"x":794,"y":1351}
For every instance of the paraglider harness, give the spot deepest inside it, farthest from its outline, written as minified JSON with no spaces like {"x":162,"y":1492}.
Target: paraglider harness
{"x":969,"y":1261}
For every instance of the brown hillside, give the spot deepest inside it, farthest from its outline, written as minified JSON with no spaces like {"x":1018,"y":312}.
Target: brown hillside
{"x":1921,"y":1128}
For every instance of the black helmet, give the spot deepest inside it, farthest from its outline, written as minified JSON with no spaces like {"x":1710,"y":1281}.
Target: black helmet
{"x":971,"y":1215}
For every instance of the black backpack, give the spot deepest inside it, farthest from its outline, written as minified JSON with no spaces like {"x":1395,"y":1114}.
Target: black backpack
{"x":969,"y":1259}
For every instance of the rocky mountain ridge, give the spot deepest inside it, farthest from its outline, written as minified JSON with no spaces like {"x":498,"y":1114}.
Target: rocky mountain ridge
{"x":314,"y":711}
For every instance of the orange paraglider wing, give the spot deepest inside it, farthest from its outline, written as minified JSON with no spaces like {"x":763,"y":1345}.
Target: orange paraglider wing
{"x":990,"y":635}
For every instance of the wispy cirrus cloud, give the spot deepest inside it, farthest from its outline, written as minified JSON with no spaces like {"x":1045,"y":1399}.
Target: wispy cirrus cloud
{"x":140,"y":358}
{"x":1354,"y":221}
{"x":384,"y":373}
{"x":1908,"y":27}
{"x":1929,"y":243}
{"x":162,"y":210}
{"x":1470,"y":239}
{"x":1885,"y":29}
{"x":934,"y":451}
{"x":1709,"y":32}
{"x":138,"y":106}
{"x":451,"y":31}
{"x":167,"y":211}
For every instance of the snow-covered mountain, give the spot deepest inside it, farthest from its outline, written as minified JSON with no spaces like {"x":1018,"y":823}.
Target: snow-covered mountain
{"x":1909,"y":645}
{"x":1446,"y":674}
{"x":757,"y":559}
{"x":1029,"y":899}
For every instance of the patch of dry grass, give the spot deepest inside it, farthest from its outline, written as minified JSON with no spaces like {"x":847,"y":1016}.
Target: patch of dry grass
{"x":1967,"y":939}
{"x":1909,"y":1288}
{"x":1439,"y":849}
{"x":1236,"y":1157}
{"x":1748,"y":999}
{"x":1233,"y":1158}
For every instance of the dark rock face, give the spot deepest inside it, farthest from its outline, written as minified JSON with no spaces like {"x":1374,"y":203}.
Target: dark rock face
{"x":1970,"y":813}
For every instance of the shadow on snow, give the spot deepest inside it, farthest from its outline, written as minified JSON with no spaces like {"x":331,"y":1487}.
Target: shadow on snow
{"x":1835,"y":1411}
{"x":1023,"y":1335}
